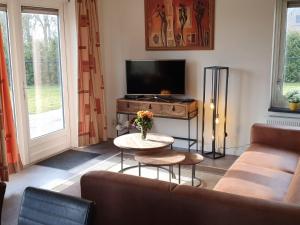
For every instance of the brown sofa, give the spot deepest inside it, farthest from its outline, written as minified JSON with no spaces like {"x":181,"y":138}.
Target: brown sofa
{"x":261,"y":188}
{"x":269,"y":169}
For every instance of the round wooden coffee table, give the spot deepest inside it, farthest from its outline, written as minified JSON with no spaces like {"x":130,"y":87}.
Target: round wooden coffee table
{"x":153,"y":143}
{"x":135,"y":142}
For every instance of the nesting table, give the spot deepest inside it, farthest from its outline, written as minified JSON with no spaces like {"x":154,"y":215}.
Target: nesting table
{"x":158,"y":159}
{"x":155,"y":151}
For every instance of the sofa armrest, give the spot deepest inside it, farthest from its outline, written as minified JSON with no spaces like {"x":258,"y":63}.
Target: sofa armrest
{"x":276,"y":136}
{"x":124,"y":199}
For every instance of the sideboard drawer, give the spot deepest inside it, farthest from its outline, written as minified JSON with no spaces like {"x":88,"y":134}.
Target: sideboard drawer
{"x":159,"y":109}
{"x":128,"y":107}
{"x":178,"y":111}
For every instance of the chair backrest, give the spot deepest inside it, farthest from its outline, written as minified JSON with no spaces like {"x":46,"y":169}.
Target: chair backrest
{"x":46,"y":207}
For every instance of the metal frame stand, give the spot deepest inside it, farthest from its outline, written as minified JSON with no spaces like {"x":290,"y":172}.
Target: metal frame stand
{"x":216,"y":82}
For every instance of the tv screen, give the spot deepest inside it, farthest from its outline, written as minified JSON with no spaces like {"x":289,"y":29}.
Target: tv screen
{"x":158,"y":77}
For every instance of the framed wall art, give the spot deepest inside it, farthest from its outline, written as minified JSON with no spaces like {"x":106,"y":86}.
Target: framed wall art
{"x":179,"y":24}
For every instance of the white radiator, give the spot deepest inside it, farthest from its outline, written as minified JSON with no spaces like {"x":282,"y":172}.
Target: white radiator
{"x":283,"y":121}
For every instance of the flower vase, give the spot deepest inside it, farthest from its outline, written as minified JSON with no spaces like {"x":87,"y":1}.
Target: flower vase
{"x":293,"y":106}
{"x":144,"y":133}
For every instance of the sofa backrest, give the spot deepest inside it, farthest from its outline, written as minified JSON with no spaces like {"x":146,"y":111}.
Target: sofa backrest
{"x":276,"y":136}
{"x":129,"y":200}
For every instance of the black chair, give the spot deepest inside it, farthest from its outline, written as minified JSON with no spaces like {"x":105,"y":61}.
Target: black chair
{"x":46,"y":207}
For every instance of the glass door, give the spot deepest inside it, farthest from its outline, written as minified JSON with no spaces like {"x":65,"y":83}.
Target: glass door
{"x":45,"y":85}
{"x":43,"y":71}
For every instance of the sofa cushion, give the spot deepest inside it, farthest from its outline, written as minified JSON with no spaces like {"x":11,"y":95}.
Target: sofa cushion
{"x":269,"y":157}
{"x":293,"y":195}
{"x":255,"y":181}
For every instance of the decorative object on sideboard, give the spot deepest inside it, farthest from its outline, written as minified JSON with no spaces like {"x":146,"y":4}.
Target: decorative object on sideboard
{"x":294,"y":99}
{"x":179,"y":25}
{"x":214,"y":110}
{"x":143,"y":122}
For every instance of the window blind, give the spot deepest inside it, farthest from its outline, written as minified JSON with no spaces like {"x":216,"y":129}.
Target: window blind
{"x":38,"y":10}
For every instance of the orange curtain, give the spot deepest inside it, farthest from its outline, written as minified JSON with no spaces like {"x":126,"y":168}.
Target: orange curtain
{"x":10,"y":161}
{"x":92,"y":112}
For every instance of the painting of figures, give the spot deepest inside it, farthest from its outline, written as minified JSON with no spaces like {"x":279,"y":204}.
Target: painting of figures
{"x":179,"y":24}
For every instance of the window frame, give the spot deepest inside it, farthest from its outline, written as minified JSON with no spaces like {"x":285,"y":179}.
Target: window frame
{"x":278,"y":102}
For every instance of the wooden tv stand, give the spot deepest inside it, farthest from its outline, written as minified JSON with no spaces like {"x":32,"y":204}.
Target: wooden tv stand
{"x":170,"y":110}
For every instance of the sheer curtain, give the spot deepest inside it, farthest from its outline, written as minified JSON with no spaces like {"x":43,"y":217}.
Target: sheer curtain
{"x":92,"y":112}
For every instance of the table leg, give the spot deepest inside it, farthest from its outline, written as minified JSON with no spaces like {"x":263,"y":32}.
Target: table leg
{"x":122,"y":158}
{"x":140,"y":169}
{"x":179,"y":173}
{"x":193,"y":174}
{"x":197,"y":134}
{"x":170,"y":174}
{"x":189,"y":135}
{"x":173,"y":174}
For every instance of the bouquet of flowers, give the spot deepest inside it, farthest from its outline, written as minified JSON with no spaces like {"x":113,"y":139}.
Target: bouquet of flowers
{"x":143,"y":122}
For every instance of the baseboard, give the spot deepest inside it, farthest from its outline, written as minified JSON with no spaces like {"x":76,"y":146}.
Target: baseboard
{"x":237,"y":151}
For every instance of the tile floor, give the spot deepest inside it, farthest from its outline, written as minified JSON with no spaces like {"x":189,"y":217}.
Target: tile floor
{"x":67,"y":181}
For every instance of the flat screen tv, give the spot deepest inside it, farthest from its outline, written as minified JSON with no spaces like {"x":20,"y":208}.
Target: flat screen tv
{"x":155,"y":77}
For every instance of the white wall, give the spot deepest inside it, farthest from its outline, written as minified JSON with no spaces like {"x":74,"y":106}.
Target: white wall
{"x":243,"y":41}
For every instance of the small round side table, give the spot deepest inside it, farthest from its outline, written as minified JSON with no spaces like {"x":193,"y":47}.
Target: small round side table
{"x":191,"y":159}
{"x":160,"y":159}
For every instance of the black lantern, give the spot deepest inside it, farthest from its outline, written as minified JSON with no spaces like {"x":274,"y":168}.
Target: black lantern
{"x":215,"y":106}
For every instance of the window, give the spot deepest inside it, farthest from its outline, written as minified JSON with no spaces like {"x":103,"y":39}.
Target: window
{"x":286,"y":64}
{"x":43,"y":70}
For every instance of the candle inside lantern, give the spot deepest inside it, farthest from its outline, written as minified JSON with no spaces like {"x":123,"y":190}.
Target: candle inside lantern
{"x":217,"y":119}
{"x":212,"y":104}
